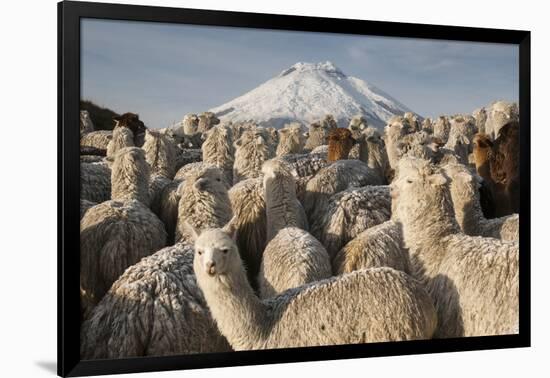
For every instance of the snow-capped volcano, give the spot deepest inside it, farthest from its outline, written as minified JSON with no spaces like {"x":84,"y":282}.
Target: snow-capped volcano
{"x":306,"y":92}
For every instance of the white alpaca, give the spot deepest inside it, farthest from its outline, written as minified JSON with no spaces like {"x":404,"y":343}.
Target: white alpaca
{"x":160,"y":154}
{"x":122,"y":137}
{"x":292,"y":257}
{"x":218,"y":149}
{"x":248,"y":205}
{"x":118,"y":233}
{"x":372,"y":305}
{"x":473,"y":280}
{"x":291,"y":139}
{"x":282,"y":207}
{"x":253,"y":148}
{"x":204,"y":201}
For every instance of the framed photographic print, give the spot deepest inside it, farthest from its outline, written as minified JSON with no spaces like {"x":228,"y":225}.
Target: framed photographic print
{"x":254,"y":189}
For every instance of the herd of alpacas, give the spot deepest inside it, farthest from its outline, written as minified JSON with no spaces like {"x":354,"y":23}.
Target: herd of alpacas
{"x":212,"y":237}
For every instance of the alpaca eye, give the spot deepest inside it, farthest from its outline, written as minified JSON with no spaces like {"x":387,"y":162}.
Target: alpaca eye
{"x":199,"y":252}
{"x":219,"y":179}
{"x":225,"y":250}
{"x":409,"y":181}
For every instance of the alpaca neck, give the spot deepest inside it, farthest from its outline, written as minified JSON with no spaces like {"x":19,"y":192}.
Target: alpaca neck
{"x":280,"y":197}
{"x":426,"y":233}
{"x":469,"y":214}
{"x":482,"y":165}
{"x":336,"y":151}
{"x":130,"y":183}
{"x":239,"y":314}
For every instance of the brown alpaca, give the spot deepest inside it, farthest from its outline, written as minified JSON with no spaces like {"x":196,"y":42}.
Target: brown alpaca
{"x":498,"y":163}
{"x":504,"y":168}
{"x":132,"y":121}
{"x":483,"y":148}
{"x":340,"y":142}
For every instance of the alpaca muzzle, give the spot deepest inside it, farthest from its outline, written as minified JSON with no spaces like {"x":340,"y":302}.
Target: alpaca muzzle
{"x":211,"y":268}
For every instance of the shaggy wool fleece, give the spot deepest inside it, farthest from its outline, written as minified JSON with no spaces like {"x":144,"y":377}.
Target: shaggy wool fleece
{"x":253,"y":148}
{"x":154,"y":309}
{"x":130,"y":175}
{"x":472,"y":280}
{"x":218,"y":150}
{"x":373,"y":305}
{"x":114,"y":235}
{"x":204,"y":201}
{"x":291,"y":140}
{"x":160,"y":154}
{"x":122,"y":137}
{"x":291,"y":259}
{"x":97,"y":139}
{"x":334,"y":178}
{"x":350,"y":212}
{"x":248,"y":204}
{"x":378,"y":246}
{"x":95,"y":182}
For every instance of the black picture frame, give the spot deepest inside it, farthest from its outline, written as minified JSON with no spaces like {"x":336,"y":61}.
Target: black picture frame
{"x":69,"y":15}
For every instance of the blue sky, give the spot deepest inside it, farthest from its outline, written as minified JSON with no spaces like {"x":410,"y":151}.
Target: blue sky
{"x":163,"y":71}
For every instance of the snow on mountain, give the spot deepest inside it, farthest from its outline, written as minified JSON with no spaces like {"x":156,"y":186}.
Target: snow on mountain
{"x":306,"y":92}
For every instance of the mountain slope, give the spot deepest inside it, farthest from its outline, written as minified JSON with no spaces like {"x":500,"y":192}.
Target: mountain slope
{"x":306,"y":92}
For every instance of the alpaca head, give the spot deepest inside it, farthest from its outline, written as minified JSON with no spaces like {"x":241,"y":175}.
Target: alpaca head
{"x":418,"y":188}
{"x":483,"y":146}
{"x":293,"y":137}
{"x":207,"y":120}
{"x":190,"y":124}
{"x":255,"y":136}
{"x":463,"y":183}
{"x":209,"y":179}
{"x":340,"y":142}
{"x":131,"y":121}
{"x":357,"y":125}
{"x":216,"y":252}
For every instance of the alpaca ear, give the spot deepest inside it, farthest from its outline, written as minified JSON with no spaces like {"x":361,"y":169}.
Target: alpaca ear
{"x":193,"y":232}
{"x":231,"y":228}
{"x":437,"y":179}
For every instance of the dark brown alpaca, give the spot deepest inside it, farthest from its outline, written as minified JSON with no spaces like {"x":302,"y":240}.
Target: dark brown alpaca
{"x":504,"y":168}
{"x":498,"y":163}
{"x":340,"y":142}
{"x":131,"y":121}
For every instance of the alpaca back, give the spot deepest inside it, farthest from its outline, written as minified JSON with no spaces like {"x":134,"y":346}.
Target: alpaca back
{"x":122,"y":137}
{"x":113,"y":236}
{"x":160,"y":154}
{"x":291,"y":259}
{"x":97,"y":139}
{"x":218,"y":150}
{"x":95,"y":182}
{"x":154,"y":309}
{"x":334,"y":178}
{"x":350,"y":212}
{"x":130,"y":176}
{"x":377,"y":246}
